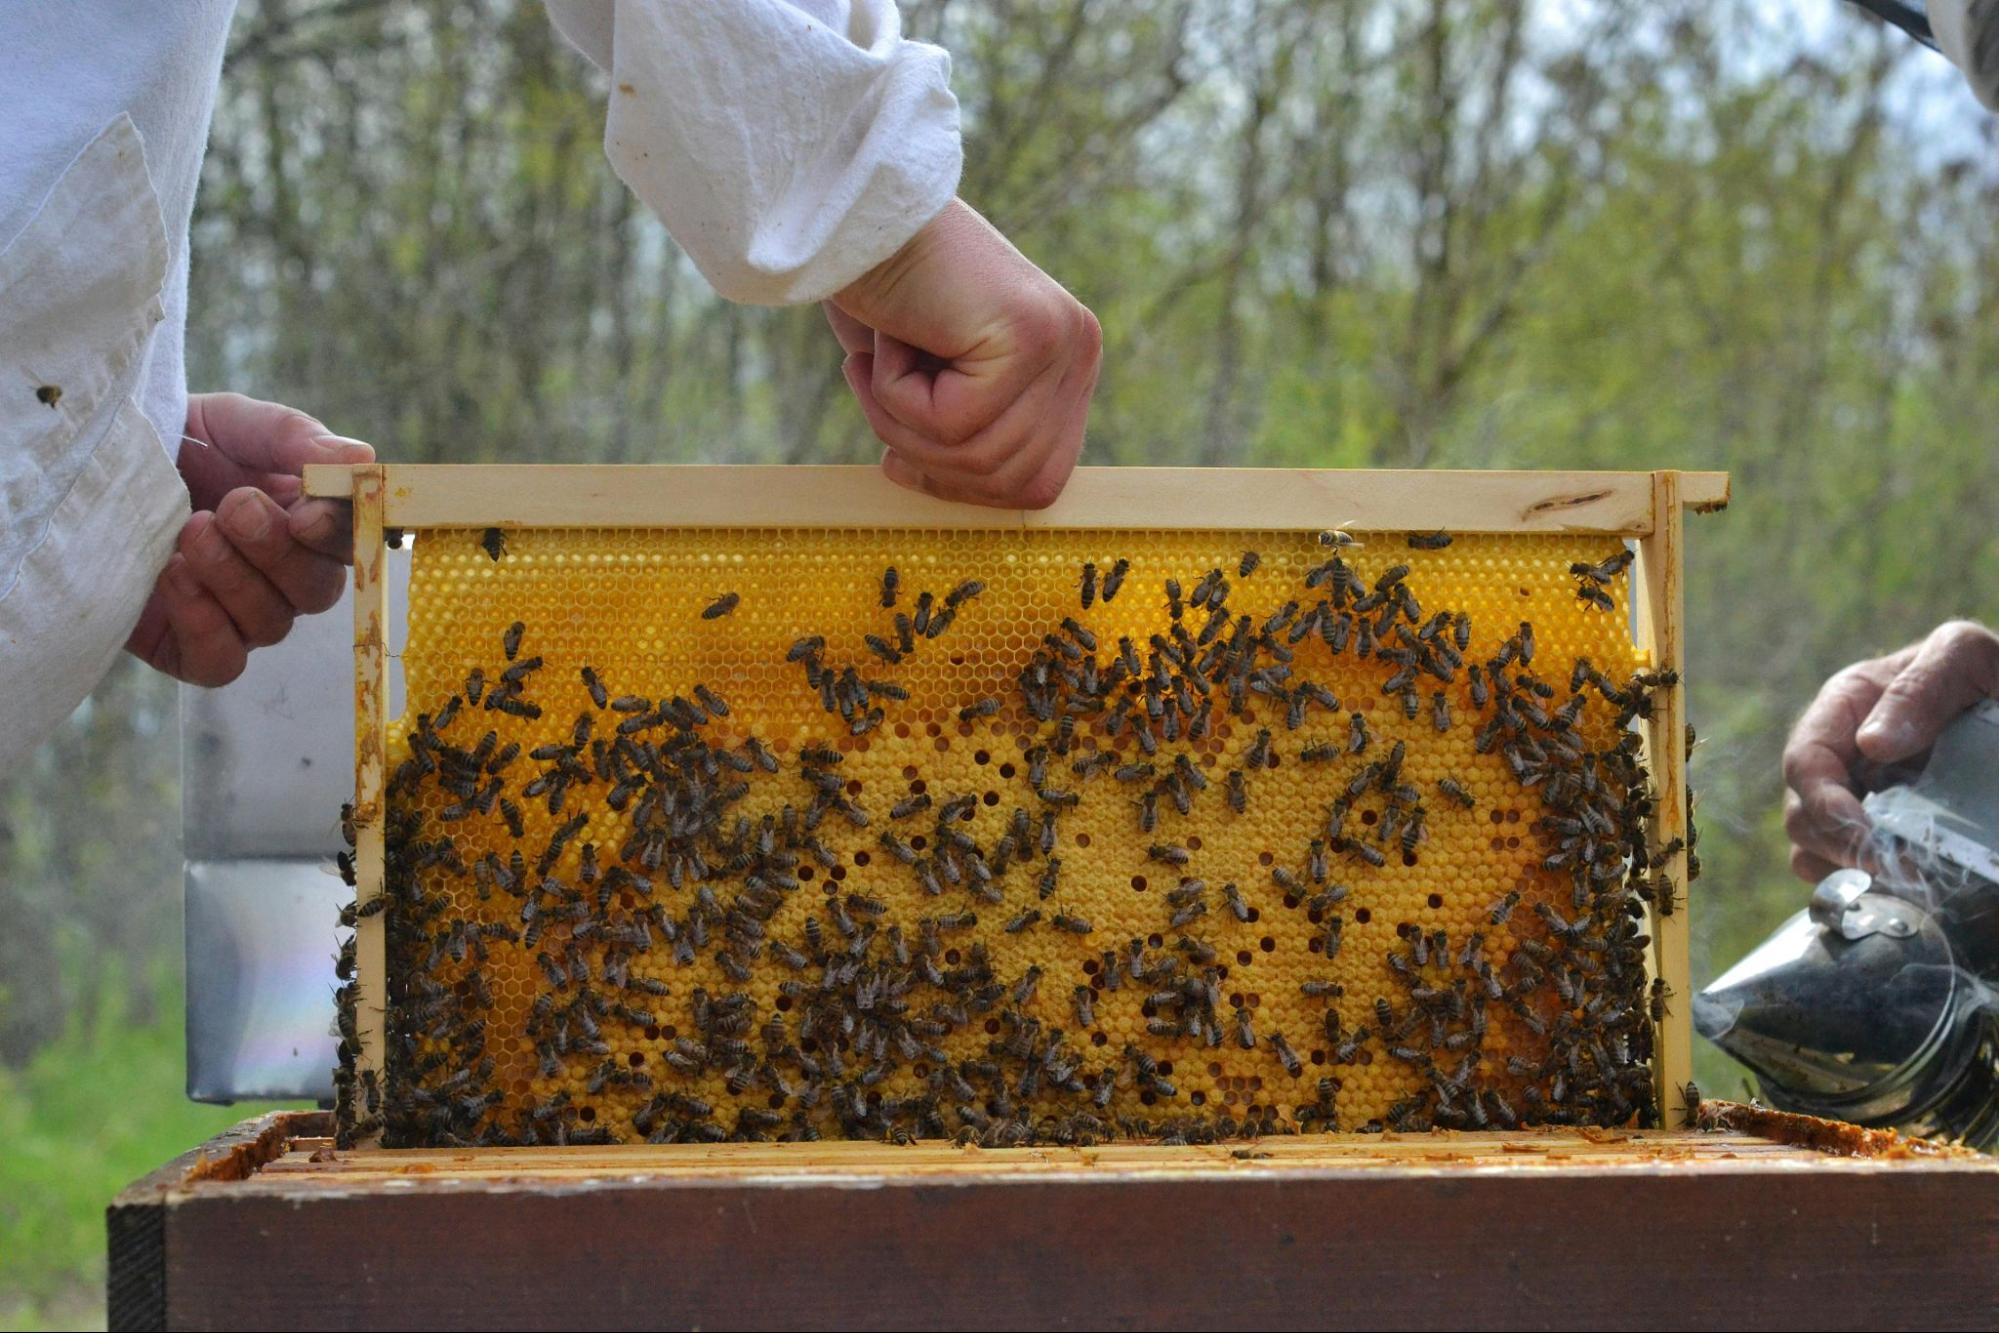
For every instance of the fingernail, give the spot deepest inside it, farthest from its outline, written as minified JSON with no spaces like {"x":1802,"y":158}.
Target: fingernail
{"x":1886,"y":737}
{"x":316,"y":525}
{"x":251,"y":519}
{"x":340,"y":449}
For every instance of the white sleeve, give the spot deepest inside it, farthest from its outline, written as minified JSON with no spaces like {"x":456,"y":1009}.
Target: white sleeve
{"x":1967,"y":31}
{"x":788,"y":145}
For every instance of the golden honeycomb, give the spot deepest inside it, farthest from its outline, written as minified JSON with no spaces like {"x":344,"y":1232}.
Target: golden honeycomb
{"x":716,"y":947}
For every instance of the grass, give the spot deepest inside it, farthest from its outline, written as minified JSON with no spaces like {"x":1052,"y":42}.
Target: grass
{"x":92,"y":1112}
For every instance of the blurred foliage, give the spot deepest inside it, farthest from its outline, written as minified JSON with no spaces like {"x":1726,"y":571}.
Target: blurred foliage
{"x":95,"y":1108}
{"x":1452,"y":233}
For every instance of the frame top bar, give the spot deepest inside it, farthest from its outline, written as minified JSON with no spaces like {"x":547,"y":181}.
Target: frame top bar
{"x":756,"y":496}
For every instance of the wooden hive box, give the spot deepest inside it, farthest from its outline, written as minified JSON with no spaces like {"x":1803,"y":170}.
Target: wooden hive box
{"x":276,"y":1225}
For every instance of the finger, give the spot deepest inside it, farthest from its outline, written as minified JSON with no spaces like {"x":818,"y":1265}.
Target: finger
{"x":259,"y":612}
{"x":853,"y":335}
{"x":261,"y":532}
{"x":1955,"y":667}
{"x":968,"y":464}
{"x":903,"y":472}
{"x":235,"y":441}
{"x":951,"y":401}
{"x":325,"y":526}
{"x":1830,"y":824}
{"x":201,"y":645}
{"x":1809,"y":867}
{"x":1036,"y":468}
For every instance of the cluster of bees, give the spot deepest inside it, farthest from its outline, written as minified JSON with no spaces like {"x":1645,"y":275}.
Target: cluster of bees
{"x":668,"y":916}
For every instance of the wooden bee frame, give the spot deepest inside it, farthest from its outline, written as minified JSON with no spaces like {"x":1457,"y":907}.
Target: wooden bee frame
{"x":1647,"y":508}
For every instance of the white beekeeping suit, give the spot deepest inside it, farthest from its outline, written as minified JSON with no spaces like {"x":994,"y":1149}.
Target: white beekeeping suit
{"x":789,"y":146}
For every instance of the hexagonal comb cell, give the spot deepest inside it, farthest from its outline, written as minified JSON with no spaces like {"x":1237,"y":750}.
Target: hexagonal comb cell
{"x":1066,"y":835}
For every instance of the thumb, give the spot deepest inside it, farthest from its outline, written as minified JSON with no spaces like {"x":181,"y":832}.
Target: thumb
{"x":1957,"y":666}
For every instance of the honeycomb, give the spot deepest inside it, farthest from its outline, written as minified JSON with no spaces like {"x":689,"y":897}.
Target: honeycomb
{"x":706,"y":834}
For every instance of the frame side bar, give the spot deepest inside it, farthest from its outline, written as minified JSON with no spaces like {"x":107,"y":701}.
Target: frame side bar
{"x":1244,"y":499}
{"x":1662,"y":567}
{"x":371,"y":970}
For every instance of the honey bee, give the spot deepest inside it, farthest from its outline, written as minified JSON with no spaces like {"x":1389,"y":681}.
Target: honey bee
{"x":510,"y":642}
{"x":1440,"y":711}
{"x":1454,"y":789}
{"x":721,"y":606}
{"x":1237,"y":903}
{"x":494,"y":543}
{"x":974,"y":711}
{"x":1432,"y":541}
{"x":1168,"y":854}
{"x":1089,"y":582}
{"x":1022,"y":920}
{"x":964,"y":592}
{"x":1238,"y":791}
{"x":1286,"y":1056}
{"x":1338,"y":539}
{"x":1248,"y":566}
{"x":889,"y":581}
{"x":1086,"y":1006}
{"x":1023,"y":991}
{"x":1075,"y":925}
{"x":1114,"y":579}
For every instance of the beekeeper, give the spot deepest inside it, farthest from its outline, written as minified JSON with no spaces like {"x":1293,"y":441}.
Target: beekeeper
{"x":1888,"y":710}
{"x":797,"y":150}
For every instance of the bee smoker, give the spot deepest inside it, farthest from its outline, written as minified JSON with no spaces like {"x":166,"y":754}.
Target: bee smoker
{"x":1879,"y":1003}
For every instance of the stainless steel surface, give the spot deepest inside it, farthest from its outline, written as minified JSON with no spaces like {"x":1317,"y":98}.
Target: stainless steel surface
{"x":266,"y":762}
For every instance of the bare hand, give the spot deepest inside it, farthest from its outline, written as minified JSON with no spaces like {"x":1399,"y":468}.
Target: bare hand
{"x":1883,"y":711}
{"x":255,"y":553}
{"x":973,"y":366}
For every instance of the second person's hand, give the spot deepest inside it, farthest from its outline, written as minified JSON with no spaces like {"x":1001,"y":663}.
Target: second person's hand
{"x":973,"y":366}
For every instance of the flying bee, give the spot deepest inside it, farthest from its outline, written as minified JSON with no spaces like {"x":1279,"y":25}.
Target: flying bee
{"x":889,"y":581}
{"x":721,"y":606}
{"x":1250,"y":561}
{"x":494,"y":543}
